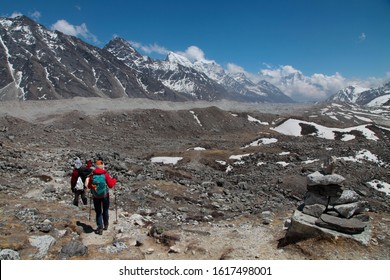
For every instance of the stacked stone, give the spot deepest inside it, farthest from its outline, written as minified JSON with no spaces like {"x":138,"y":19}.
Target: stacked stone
{"x":336,"y":208}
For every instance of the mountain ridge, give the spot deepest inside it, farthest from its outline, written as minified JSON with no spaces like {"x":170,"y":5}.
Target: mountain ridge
{"x":379,"y":96}
{"x":38,"y":63}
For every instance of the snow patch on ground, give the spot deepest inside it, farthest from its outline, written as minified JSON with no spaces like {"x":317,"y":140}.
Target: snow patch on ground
{"x":196,"y":118}
{"x":262,"y":141}
{"x":196,"y":149}
{"x":380,"y":186}
{"x":292,"y":127}
{"x":252,"y":119}
{"x":166,"y":160}
{"x":239,"y":157}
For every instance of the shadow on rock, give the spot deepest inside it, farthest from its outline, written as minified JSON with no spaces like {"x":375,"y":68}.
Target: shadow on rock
{"x":86,"y":228}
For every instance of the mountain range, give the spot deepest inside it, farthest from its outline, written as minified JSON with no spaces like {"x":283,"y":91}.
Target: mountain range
{"x":37,"y":63}
{"x":374,"y":97}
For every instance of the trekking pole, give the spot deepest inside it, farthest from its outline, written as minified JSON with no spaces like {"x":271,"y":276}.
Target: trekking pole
{"x":90,"y":205}
{"x":116,"y":207}
{"x":90,"y":199}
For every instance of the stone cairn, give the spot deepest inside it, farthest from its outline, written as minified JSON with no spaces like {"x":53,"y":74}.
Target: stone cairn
{"x":327,"y":205}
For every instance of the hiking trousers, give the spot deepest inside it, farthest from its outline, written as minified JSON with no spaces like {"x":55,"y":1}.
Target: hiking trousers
{"x":77,"y":195}
{"x":101,"y":208}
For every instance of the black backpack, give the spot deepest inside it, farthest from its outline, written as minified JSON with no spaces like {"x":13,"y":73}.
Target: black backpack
{"x":84,"y":172}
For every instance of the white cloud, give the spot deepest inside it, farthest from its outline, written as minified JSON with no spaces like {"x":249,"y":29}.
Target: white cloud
{"x":74,"y":30}
{"x":154,"y":48}
{"x":377,"y":81}
{"x":16,"y":14}
{"x":328,"y":84}
{"x":300,"y":87}
{"x":362,"y":37}
{"x":315,"y":87}
{"x":36,"y":15}
{"x":193,"y":53}
{"x":234,"y":68}
{"x":294,"y":83}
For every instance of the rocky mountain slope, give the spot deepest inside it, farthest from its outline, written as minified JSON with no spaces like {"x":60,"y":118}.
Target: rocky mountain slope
{"x":363,"y":96}
{"x":236,"y":175}
{"x":37,"y":63}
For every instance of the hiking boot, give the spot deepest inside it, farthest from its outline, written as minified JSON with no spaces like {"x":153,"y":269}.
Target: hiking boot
{"x":105,"y":226}
{"x":99,"y":231}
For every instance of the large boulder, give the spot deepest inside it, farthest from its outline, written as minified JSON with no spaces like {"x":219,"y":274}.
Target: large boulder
{"x":318,"y":178}
{"x":43,"y":243}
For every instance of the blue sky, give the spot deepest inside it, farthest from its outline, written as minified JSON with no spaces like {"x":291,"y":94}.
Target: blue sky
{"x":345,"y":39}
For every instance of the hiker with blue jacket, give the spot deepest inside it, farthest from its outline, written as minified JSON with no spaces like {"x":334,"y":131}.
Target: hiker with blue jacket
{"x":99,"y":183}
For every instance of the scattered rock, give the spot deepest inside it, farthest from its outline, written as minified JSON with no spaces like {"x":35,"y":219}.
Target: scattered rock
{"x":8,"y":254}
{"x":174,"y":249}
{"x":195,"y":205}
{"x":72,"y":249}
{"x":43,"y":243}
{"x":350,"y":209}
{"x":314,"y":210}
{"x":267,"y":217}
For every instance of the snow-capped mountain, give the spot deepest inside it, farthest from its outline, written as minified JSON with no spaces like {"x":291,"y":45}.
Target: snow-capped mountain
{"x":379,"y":96}
{"x":238,"y":85}
{"x":37,"y":63}
{"x":349,"y":94}
{"x":41,"y":64}
{"x":363,"y":96}
{"x":247,"y":89}
{"x":175,"y":72}
{"x":202,"y":79}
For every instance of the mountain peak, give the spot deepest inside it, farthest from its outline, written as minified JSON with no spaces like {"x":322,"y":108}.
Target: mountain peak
{"x":21,"y":20}
{"x":240,"y":76}
{"x":179,"y":59}
{"x":119,"y":42}
{"x":65,"y":67}
{"x":123,"y":50}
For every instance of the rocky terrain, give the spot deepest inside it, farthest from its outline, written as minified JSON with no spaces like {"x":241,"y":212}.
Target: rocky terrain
{"x":231,"y":180}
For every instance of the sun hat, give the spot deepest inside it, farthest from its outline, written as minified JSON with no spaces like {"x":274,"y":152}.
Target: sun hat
{"x":77,"y":163}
